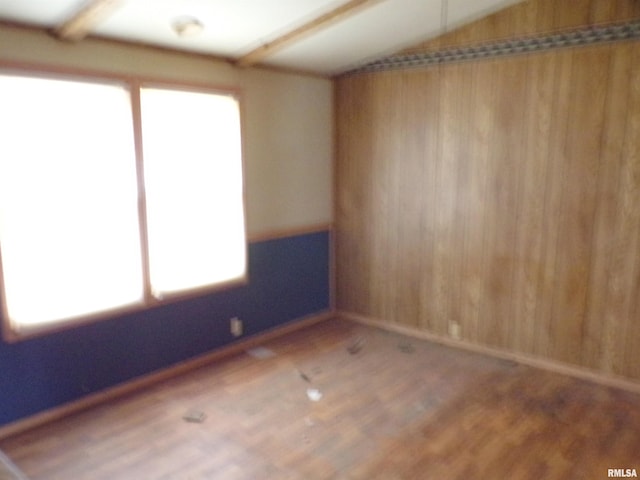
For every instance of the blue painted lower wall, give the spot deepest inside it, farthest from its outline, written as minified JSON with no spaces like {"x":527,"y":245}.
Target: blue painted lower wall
{"x":288,"y":279}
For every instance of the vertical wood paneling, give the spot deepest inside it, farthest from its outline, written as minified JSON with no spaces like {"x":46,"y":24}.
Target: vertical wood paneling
{"x":409,"y":253}
{"x":624,"y":284}
{"x":451,"y":170}
{"x":353,"y":192}
{"x":626,"y":8}
{"x":509,"y":82}
{"x":582,"y":145}
{"x":602,"y":12}
{"x":561,"y":90}
{"x":603,"y":248}
{"x":503,"y":195}
{"x":406,"y":298}
{"x":385,"y":247}
{"x":427,"y":131}
{"x":631,"y":365}
{"x":475,"y":193}
{"x":570,"y":14}
{"x":531,"y":204}
{"x":616,"y":303}
{"x":446,"y":253}
{"x":469,"y":191}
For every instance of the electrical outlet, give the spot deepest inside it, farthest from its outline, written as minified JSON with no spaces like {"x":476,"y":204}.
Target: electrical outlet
{"x":454,"y":330}
{"x":236,"y":326}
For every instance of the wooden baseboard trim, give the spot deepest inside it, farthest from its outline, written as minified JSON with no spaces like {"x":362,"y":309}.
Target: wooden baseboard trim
{"x":543,"y":364}
{"x":150,"y":379}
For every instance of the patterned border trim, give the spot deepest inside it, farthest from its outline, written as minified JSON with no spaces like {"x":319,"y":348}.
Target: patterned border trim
{"x":572,"y":38}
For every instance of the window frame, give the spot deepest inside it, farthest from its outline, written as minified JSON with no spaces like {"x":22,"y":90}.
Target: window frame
{"x":133,"y":83}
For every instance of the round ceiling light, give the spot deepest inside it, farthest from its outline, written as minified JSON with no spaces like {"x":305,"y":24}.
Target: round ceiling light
{"x":187,"y":26}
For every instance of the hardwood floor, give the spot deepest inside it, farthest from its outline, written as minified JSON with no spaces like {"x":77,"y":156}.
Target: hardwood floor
{"x":391,"y":408}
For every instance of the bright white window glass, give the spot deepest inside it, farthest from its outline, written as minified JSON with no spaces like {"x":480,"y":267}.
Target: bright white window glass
{"x":69,"y":229}
{"x":194,"y":194}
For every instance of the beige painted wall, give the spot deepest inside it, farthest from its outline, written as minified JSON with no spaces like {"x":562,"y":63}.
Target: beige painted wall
{"x":289,"y":124}
{"x":287,"y":119}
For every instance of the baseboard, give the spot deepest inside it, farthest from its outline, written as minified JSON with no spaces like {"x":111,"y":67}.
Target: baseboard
{"x":544,"y":364}
{"x":145,"y":381}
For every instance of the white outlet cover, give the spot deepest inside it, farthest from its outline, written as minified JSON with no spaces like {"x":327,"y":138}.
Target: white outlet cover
{"x":454,"y":330}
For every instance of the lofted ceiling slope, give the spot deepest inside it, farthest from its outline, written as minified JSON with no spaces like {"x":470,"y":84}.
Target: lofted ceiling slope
{"x":325,"y":37}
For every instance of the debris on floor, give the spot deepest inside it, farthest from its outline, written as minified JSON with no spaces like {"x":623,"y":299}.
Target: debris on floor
{"x":405,"y":347}
{"x":314,"y":394}
{"x":356,"y":345}
{"x":304,"y":376}
{"x":261,"y":353}
{"x":194,"y":416}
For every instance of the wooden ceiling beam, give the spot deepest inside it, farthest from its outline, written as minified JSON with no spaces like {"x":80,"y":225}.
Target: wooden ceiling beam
{"x":81,"y":22}
{"x":340,"y":13}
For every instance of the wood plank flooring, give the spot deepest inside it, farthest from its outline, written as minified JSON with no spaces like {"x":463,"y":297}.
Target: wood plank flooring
{"x":392,"y":407}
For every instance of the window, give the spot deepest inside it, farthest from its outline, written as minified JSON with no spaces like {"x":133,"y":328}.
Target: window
{"x":88,"y":226}
{"x":193,"y":178}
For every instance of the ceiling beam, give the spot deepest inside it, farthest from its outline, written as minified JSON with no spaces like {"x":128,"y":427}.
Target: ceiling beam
{"x":340,"y":13}
{"x":82,"y":21}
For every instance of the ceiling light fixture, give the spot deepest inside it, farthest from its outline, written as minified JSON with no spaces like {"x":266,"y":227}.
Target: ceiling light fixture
{"x":187,"y":26}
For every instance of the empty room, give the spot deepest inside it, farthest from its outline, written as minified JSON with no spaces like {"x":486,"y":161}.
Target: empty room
{"x":319,"y":239}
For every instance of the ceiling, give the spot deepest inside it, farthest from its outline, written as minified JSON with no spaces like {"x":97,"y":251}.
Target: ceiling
{"x":326,"y":37}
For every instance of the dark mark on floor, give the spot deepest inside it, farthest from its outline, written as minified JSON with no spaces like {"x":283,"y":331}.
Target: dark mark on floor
{"x":194,"y":416}
{"x":356,"y":345}
{"x":405,"y":347}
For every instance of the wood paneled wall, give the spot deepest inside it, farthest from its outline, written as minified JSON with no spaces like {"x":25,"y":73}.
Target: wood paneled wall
{"x":503,"y":195}
{"x":532,"y":17}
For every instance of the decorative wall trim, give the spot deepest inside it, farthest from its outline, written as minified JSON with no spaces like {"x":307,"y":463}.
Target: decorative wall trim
{"x":536,"y":43}
{"x":288,"y":232}
{"x":151,"y":379}
{"x":543,"y":364}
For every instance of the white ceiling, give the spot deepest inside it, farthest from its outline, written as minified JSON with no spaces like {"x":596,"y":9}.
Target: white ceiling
{"x":233,"y":28}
